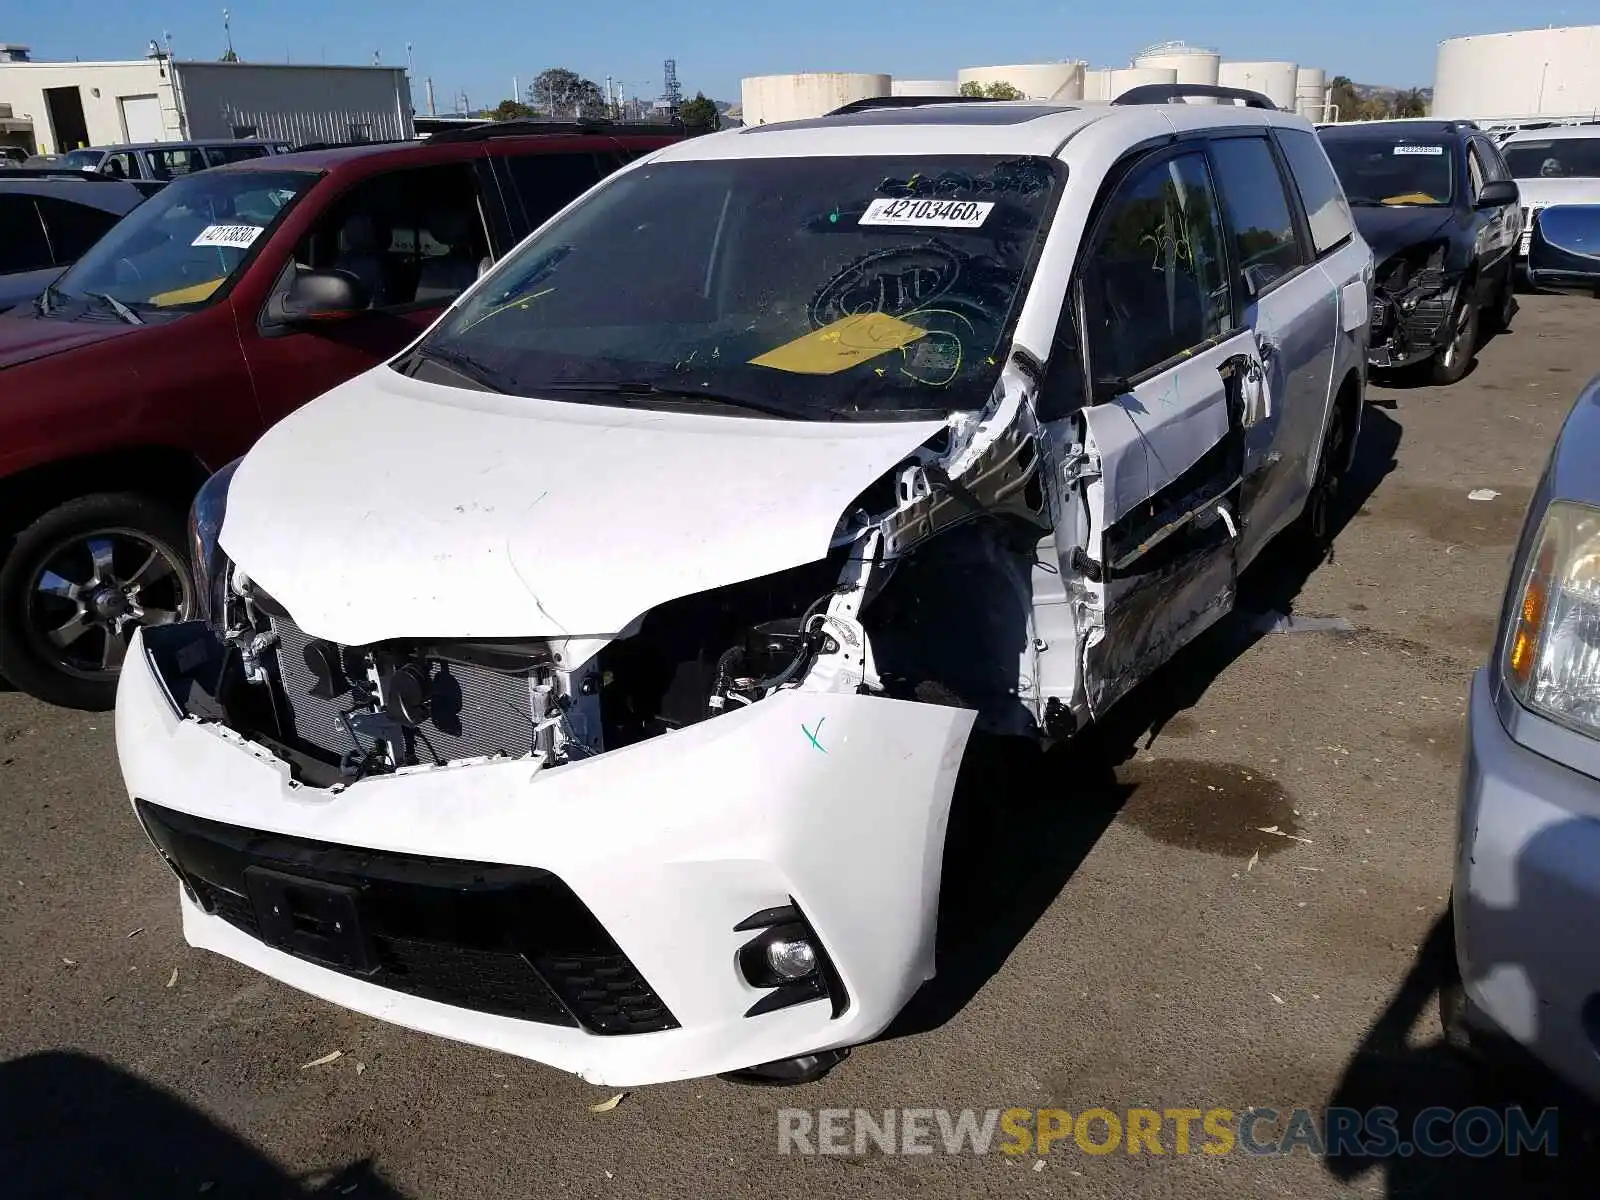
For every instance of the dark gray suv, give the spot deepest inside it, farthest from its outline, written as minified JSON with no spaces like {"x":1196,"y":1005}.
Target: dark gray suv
{"x":49,"y":220}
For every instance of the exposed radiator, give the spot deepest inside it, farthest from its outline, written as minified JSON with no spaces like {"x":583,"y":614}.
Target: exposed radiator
{"x":476,"y":711}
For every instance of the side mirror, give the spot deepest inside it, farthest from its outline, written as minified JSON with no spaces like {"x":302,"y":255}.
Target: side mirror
{"x":1498,"y":193}
{"x":1564,"y":251}
{"x":321,"y":296}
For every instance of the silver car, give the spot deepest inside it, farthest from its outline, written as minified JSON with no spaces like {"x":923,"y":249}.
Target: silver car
{"x":1527,"y":874}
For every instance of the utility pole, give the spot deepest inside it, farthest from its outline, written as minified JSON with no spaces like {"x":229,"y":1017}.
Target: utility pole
{"x":516,"y":88}
{"x":432,"y":112}
{"x":227,"y":31}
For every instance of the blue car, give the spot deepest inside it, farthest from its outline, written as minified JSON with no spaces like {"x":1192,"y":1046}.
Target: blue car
{"x":1526,"y":897}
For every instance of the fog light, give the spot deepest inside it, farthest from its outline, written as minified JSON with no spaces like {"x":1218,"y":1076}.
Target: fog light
{"x":791,"y":958}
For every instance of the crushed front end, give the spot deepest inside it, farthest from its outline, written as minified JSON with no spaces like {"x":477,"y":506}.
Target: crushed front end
{"x":1413,"y":307}
{"x":708,"y":841}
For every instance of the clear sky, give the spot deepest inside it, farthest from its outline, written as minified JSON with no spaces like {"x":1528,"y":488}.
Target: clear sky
{"x":479,"y":46}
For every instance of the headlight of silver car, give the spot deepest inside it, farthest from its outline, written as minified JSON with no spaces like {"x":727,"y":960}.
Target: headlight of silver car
{"x":211,"y":565}
{"x":1552,"y":653}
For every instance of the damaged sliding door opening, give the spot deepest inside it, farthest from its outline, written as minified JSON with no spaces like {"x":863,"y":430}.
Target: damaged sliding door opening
{"x":1162,"y":441}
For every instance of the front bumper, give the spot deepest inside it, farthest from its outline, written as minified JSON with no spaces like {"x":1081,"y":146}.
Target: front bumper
{"x":1527,"y":897}
{"x":668,"y":843}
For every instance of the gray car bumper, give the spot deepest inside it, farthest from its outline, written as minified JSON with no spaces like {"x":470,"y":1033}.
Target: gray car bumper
{"x":1527,"y":897}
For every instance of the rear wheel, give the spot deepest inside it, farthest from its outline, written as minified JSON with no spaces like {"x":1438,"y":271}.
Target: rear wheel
{"x":77,"y":583}
{"x":1314,"y":530}
{"x":1505,"y":305}
{"x":1452,"y":362}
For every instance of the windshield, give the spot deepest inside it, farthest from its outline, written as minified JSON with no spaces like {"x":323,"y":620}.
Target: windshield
{"x":83,"y":160}
{"x":1556,"y":158}
{"x":818,"y":287}
{"x":177,"y":249}
{"x":1393,"y":169}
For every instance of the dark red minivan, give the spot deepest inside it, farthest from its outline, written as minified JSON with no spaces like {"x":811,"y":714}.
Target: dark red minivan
{"x":225,"y":301}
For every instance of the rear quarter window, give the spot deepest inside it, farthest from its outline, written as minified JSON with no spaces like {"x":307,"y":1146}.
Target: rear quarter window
{"x":1321,"y":194}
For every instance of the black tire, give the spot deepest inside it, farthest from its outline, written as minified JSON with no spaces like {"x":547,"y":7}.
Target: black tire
{"x":1505,"y":305}
{"x":1453,"y":362}
{"x":1313,"y":532}
{"x":147,"y":555}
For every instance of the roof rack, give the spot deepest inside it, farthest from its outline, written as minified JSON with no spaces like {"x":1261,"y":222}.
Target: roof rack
{"x":59,"y":173}
{"x":524,"y":128}
{"x":871,"y":102}
{"x":1177,"y":93}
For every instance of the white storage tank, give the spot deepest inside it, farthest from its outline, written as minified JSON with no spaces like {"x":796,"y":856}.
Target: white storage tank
{"x":924,"y":87}
{"x":1274,"y":80}
{"x":1189,"y":64}
{"x":1097,"y":83}
{"x":1123,"y":78}
{"x":1310,"y":92}
{"x":769,"y":98}
{"x":1036,"y":81}
{"x":1534,"y":72}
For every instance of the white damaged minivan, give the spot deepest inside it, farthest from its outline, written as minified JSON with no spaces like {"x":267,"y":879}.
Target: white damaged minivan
{"x":589,"y":682}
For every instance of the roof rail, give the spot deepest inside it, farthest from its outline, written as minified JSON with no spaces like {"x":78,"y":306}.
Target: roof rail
{"x":871,"y":102}
{"x":1177,"y":93}
{"x":58,"y":172}
{"x":523,"y":128}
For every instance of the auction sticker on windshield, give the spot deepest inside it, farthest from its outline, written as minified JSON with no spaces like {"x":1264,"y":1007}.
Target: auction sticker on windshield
{"x":944,"y":214}
{"x":1419,"y":149}
{"x":235,"y":236}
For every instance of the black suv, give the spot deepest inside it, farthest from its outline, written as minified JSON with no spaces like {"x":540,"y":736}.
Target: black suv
{"x":1437,"y":205}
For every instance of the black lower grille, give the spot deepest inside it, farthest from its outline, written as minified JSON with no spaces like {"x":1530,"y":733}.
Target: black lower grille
{"x":511,"y":941}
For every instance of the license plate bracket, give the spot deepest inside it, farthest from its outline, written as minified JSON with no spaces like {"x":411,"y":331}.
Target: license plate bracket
{"x":310,"y":919}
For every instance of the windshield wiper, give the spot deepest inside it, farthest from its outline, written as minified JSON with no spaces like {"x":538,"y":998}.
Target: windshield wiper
{"x":457,"y":363}
{"x":117,"y":306}
{"x":639,"y":387}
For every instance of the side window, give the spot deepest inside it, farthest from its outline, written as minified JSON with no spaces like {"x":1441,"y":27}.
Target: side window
{"x":1494,"y":166}
{"x":24,"y":247}
{"x":1265,"y":244}
{"x":411,"y":237}
{"x":1321,"y":195}
{"x":72,"y":228}
{"x":547,"y":183}
{"x":217,"y":155}
{"x":1152,"y":281}
{"x":1474,"y":170}
{"x":169,"y":164}
{"x":120,"y":166}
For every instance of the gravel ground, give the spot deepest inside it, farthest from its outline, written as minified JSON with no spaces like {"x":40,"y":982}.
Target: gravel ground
{"x":1119,"y":932}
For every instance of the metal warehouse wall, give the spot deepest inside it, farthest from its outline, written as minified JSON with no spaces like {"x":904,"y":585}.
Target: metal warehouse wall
{"x":297,"y":103}
{"x":102,"y":87}
{"x":1528,"y":73}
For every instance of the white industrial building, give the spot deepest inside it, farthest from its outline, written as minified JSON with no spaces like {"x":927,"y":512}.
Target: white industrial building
{"x":1528,"y":73}
{"x":1289,"y":85}
{"x":59,"y":106}
{"x":768,"y":98}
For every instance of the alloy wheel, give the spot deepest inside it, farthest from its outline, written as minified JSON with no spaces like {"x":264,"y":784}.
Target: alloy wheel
{"x":91,"y":591}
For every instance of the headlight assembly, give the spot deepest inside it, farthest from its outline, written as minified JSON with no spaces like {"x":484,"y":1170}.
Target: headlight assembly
{"x":1552,"y":649}
{"x":210,"y":563}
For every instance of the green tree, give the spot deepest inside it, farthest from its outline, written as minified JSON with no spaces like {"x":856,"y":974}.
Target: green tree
{"x":558,"y":92}
{"x":972,"y":90}
{"x":1001,"y":90}
{"x":1346,"y":98}
{"x":510,"y":110}
{"x":700,"y":115}
{"x":1411,"y":103}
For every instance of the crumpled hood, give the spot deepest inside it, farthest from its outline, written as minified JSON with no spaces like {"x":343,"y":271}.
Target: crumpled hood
{"x":395,"y":508}
{"x":1390,"y":230}
{"x":25,"y":336}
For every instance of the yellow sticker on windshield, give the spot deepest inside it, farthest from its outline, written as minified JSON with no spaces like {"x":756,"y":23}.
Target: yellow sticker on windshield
{"x":1411,"y":198}
{"x":192,"y":294}
{"x":841,"y":345}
